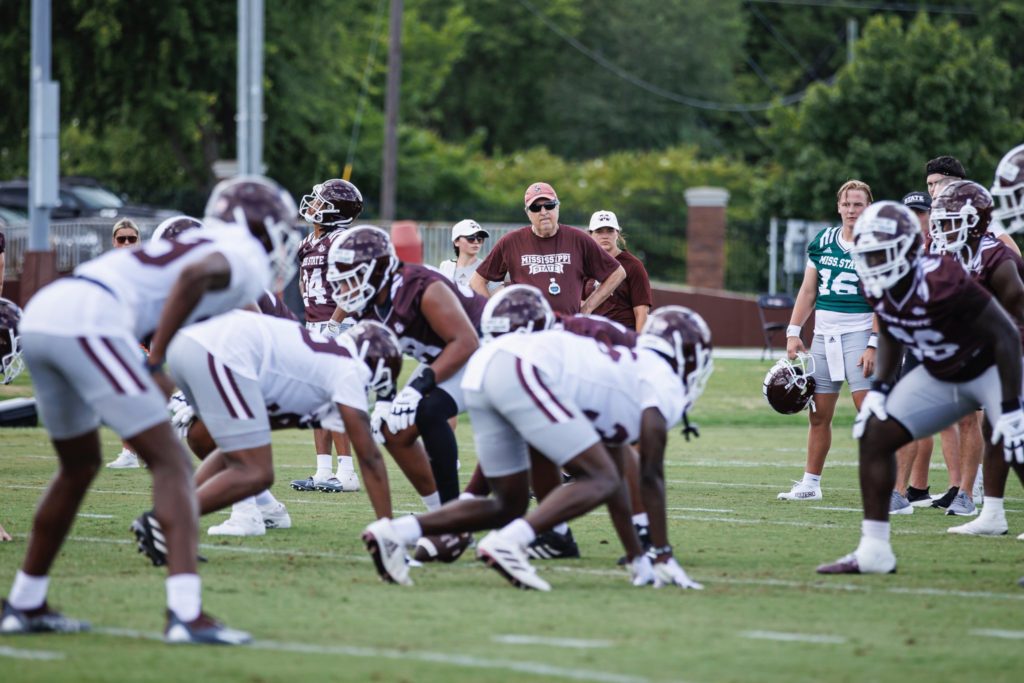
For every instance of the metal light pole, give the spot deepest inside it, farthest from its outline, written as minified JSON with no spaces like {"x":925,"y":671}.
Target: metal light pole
{"x":389,"y":171}
{"x":249,"y":119}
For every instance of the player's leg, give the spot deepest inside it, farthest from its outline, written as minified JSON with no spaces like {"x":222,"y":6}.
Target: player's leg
{"x":324,"y":463}
{"x":410,"y":456}
{"x":432,"y":415}
{"x":971,"y":451}
{"x":950,"y":441}
{"x":557,"y":542}
{"x":346,"y":472}
{"x":991,"y":520}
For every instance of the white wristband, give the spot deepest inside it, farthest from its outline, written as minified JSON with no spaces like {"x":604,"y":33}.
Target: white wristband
{"x":873,"y":341}
{"x":793,"y":331}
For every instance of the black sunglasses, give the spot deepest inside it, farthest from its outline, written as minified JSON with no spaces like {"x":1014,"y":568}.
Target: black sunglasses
{"x":550,"y":206}
{"x":474,"y":238}
{"x":127,"y":239}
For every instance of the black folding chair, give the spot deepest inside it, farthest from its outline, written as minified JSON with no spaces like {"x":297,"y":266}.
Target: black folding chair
{"x":772,"y":302}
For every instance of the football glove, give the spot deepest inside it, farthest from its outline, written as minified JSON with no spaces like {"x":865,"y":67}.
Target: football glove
{"x":182,"y":414}
{"x":873,"y":404}
{"x":1010,"y":428}
{"x":403,"y":409}
{"x":332,"y":329}
{"x":381,"y":410}
{"x":669,"y":573}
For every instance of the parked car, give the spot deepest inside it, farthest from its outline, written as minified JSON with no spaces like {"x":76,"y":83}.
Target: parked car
{"x":12,"y":217}
{"x":80,"y":198}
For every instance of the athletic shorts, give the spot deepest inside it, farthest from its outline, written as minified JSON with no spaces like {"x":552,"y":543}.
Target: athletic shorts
{"x":231,"y":406}
{"x":854,"y":345}
{"x":81,"y":382}
{"x":517,"y":406}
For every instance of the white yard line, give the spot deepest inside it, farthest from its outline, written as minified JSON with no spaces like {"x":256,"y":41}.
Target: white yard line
{"x":38,"y":655}
{"x":575,"y":643}
{"x":834,"y":509}
{"x":700,"y":509}
{"x":90,"y":515}
{"x":997,"y":633}
{"x":793,"y":637}
{"x":443,"y":658}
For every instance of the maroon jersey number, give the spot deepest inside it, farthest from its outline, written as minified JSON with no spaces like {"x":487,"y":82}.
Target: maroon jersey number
{"x":176,"y":251}
{"x":924,"y":343}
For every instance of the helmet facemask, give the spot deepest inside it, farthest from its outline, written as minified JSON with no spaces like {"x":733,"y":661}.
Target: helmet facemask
{"x":880,"y":264}
{"x":11,"y":362}
{"x":950,"y":230}
{"x":1009,"y":207}
{"x":316,"y":209}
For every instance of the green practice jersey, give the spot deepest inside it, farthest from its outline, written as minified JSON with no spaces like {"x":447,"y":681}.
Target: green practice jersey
{"x":838,"y":283}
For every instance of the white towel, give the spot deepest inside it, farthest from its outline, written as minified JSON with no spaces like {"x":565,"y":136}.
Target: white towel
{"x":834,"y":357}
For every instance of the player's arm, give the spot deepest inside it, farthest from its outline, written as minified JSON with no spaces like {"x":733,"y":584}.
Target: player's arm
{"x":653,"y":437}
{"x":211,"y":274}
{"x":994,"y":323}
{"x":640,"y":313}
{"x":887,"y":358}
{"x":371,"y":464}
{"x":1009,"y":290}
{"x":604,"y":291}
{"x":1008,"y":241}
{"x":802,"y":307}
{"x":447,"y":318}
{"x":619,"y":508}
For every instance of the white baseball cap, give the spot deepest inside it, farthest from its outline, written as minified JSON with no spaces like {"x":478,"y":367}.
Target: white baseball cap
{"x":467,"y":227}
{"x":604,"y":219}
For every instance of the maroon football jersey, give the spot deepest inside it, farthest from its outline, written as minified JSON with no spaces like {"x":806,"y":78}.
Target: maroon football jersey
{"x":991,"y":254}
{"x":934,"y":320}
{"x":601,"y":329}
{"x":557,"y":265}
{"x":635,"y":290}
{"x":313,"y":271}
{"x":273,"y":305}
{"x":405,"y":317}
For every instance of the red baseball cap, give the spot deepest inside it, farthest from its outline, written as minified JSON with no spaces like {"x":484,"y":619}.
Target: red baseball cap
{"x":539,"y":191}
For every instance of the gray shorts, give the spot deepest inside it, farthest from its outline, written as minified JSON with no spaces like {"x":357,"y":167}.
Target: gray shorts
{"x":451,"y":386}
{"x":81,"y":382}
{"x":231,"y":406}
{"x":321,"y":326}
{"x":518,"y":406}
{"x":925,"y":405}
{"x":854,"y":345}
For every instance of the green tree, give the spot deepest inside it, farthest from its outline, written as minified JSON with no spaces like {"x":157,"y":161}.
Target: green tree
{"x":912,"y":93}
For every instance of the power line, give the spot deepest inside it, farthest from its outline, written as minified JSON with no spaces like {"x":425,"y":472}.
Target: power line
{"x":686,"y":100}
{"x":912,"y":8}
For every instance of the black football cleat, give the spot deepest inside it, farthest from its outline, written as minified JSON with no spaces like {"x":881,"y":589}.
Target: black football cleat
{"x":947,"y":498}
{"x":303,"y":484}
{"x":151,"y":538}
{"x":204,"y":630}
{"x":552,"y":545}
{"x":41,"y":620}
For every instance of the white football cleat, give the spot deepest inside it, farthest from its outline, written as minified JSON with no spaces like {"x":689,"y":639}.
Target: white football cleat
{"x":509,"y":560}
{"x":239,"y":525}
{"x":275,"y":516}
{"x":871,"y":557}
{"x":387,"y":551}
{"x":641,"y":573}
{"x":801,"y":491}
{"x":990,"y":525}
{"x":669,"y":573}
{"x":1021,"y":537}
{"x":125,"y":460}
{"x":349,"y":480}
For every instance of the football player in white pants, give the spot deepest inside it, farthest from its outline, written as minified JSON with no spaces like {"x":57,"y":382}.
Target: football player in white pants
{"x":246,"y":372}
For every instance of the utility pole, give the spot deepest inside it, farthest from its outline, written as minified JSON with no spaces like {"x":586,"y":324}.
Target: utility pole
{"x":40,"y":266}
{"x":249,"y":119}
{"x":851,"y":38}
{"x":389,"y":170}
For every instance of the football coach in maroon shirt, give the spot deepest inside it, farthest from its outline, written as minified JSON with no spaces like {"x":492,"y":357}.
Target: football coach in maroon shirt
{"x":557,"y":259}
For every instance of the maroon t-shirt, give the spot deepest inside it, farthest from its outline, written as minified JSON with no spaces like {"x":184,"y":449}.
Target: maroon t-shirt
{"x":935,"y":319}
{"x":635,"y":290}
{"x":313,"y":271}
{"x":991,"y":254}
{"x":404,"y":314}
{"x":557,"y":265}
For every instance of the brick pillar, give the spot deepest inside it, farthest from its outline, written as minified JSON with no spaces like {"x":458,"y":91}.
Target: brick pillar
{"x":705,"y":236}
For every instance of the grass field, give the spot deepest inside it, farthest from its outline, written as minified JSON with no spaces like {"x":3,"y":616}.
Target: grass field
{"x":312,"y":600}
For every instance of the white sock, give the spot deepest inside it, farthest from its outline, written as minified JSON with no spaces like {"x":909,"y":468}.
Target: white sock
{"x":265,"y":498}
{"x":519,"y":531}
{"x":408,"y":529}
{"x":184,"y":593}
{"x":345,"y":465}
{"x":324,"y":464}
{"x":466,"y":495}
{"x":245,"y":508}
{"x":28,"y":592}
{"x":993,"y":507}
{"x":562,"y":528}
{"x":433,"y":501}
{"x":641,"y":519}
{"x":869,"y":528}
{"x":812,"y":479}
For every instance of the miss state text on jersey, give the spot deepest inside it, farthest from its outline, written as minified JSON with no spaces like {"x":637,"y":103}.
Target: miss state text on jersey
{"x":838,"y":283}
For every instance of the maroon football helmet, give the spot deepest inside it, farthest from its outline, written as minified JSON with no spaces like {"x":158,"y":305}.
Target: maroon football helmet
{"x":10,"y":344}
{"x":333,"y":203}
{"x":170,"y":228}
{"x":359,"y":265}
{"x":886,"y":245}
{"x":516,"y":308}
{"x":378,"y":347}
{"x":1008,"y":190}
{"x":789,"y":385}
{"x":684,"y":339}
{"x":263,"y":207}
{"x":961,"y":212}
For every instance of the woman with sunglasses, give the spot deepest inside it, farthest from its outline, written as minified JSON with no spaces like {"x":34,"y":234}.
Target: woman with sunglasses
{"x":125,"y":234}
{"x":467,"y":241}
